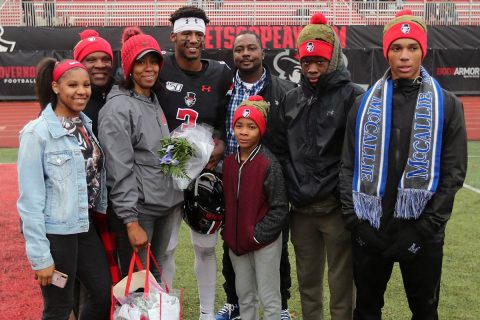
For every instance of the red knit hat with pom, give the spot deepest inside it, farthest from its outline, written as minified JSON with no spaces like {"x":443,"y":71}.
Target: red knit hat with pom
{"x":136,"y":44}
{"x":405,"y":25}
{"x":317,"y":38}
{"x":91,"y":42}
{"x":254,"y":108}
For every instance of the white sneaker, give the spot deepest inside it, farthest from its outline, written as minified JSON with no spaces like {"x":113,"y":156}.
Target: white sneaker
{"x":206,"y":316}
{"x":229,"y":312}
{"x":285,"y":315}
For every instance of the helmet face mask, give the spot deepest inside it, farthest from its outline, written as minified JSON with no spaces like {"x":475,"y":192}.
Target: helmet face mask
{"x":204,"y":209}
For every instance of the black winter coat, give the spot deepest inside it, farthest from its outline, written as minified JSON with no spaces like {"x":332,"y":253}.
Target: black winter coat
{"x":96,"y":102}
{"x":453,"y":166}
{"x":309,"y":132}
{"x":273,"y":92}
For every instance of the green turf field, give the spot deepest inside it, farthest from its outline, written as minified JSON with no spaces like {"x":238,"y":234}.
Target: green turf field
{"x":460,"y":278}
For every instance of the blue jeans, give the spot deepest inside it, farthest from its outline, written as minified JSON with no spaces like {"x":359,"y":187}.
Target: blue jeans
{"x":79,"y":256}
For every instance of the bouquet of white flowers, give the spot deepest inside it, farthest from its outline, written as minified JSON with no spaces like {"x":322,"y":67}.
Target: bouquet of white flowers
{"x":184,"y":155}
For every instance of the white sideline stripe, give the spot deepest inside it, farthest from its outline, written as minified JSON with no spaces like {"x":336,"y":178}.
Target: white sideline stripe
{"x":469,"y":187}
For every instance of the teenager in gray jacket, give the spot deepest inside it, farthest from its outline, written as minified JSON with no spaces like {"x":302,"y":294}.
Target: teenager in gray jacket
{"x":131,"y":126}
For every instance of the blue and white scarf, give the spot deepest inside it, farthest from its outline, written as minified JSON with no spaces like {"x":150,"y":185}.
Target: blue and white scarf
{"x":420,"y":177}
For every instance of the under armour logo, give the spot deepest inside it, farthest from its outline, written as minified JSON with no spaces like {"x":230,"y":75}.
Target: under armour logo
{"x":187,"y":21}
{"x":310,"y":47}
{"x":405,"y":28}
{"x":206,"y":88}
{"x":330,"y":113}
{"x":246,"y":113}
{"x":414,"y":248}
{"x":360,"y":242}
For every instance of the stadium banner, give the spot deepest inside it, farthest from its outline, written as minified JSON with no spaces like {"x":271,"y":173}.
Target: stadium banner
{"x":21,"y":48}
{"x":461,"y":76}
{"x":17,"y":74}
{"x":18,"y":71}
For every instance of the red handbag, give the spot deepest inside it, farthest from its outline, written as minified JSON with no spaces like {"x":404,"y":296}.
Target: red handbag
{"x":169,"y":301}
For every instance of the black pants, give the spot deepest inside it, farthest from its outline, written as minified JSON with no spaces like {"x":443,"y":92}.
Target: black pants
{"x":421,"y":280}
{"x":79,"y":256}
{"x":285,"y":280}
{"x":124,"y":248}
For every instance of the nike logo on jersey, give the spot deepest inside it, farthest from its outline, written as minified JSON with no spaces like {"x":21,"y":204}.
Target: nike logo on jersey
{"x":173,"y":86}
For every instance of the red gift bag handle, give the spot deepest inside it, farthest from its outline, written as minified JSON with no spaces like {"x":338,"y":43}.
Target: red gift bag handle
{"x":136,"y":260}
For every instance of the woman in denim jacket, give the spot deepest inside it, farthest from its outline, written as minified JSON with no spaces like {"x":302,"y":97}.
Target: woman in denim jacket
{"x":61,"y":181}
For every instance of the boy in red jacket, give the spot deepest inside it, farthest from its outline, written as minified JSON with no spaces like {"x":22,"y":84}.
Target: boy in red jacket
{"x":256,"y":210}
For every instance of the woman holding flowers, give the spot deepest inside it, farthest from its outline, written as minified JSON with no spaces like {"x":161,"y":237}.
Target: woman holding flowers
{"x":61,"y":182}
{"x":131,"y":127}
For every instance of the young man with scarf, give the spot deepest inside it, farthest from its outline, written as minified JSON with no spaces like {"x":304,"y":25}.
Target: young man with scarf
{"x":251,"y":78}
{"x":404,"y":158}
{"x":309,"y":134}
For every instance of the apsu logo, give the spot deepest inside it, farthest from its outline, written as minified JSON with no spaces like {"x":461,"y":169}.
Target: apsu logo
{"x":405,"y":28}
{"x":287,"y":67}
{"x":5,"y":45}
{"x":310,"y":47}
{"x":190,"y":99}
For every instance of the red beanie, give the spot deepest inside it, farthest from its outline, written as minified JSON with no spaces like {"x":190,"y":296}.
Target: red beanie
{"x":254,"y":108}
{"x":405,"y":25}
{"x":317,"y":38}
{"x":135,"y":44}
{"x":91,"y":42}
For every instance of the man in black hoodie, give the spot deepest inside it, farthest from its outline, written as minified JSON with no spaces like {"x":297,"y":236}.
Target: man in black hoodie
{"x":253,"y":78}
{"x":404,"y":158}
{"x":308,"y":142}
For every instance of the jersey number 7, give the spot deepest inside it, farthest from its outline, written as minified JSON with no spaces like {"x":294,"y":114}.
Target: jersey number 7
{"x":189,"y":117}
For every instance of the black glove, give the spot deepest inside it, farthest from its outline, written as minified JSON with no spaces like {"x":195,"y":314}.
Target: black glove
{"x":407,"y":245}
{"x":368,"y":238}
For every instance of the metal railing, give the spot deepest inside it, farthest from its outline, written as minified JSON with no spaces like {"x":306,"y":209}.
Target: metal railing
{"x":232,"y":12}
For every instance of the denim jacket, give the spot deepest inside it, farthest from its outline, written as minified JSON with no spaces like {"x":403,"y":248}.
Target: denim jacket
{"x":53,"y":197}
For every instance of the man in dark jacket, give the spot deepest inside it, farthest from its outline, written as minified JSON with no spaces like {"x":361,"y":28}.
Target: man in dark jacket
{"x":404,"y":158}
{"x":308,"y":141}
{"x":253,"y":78}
